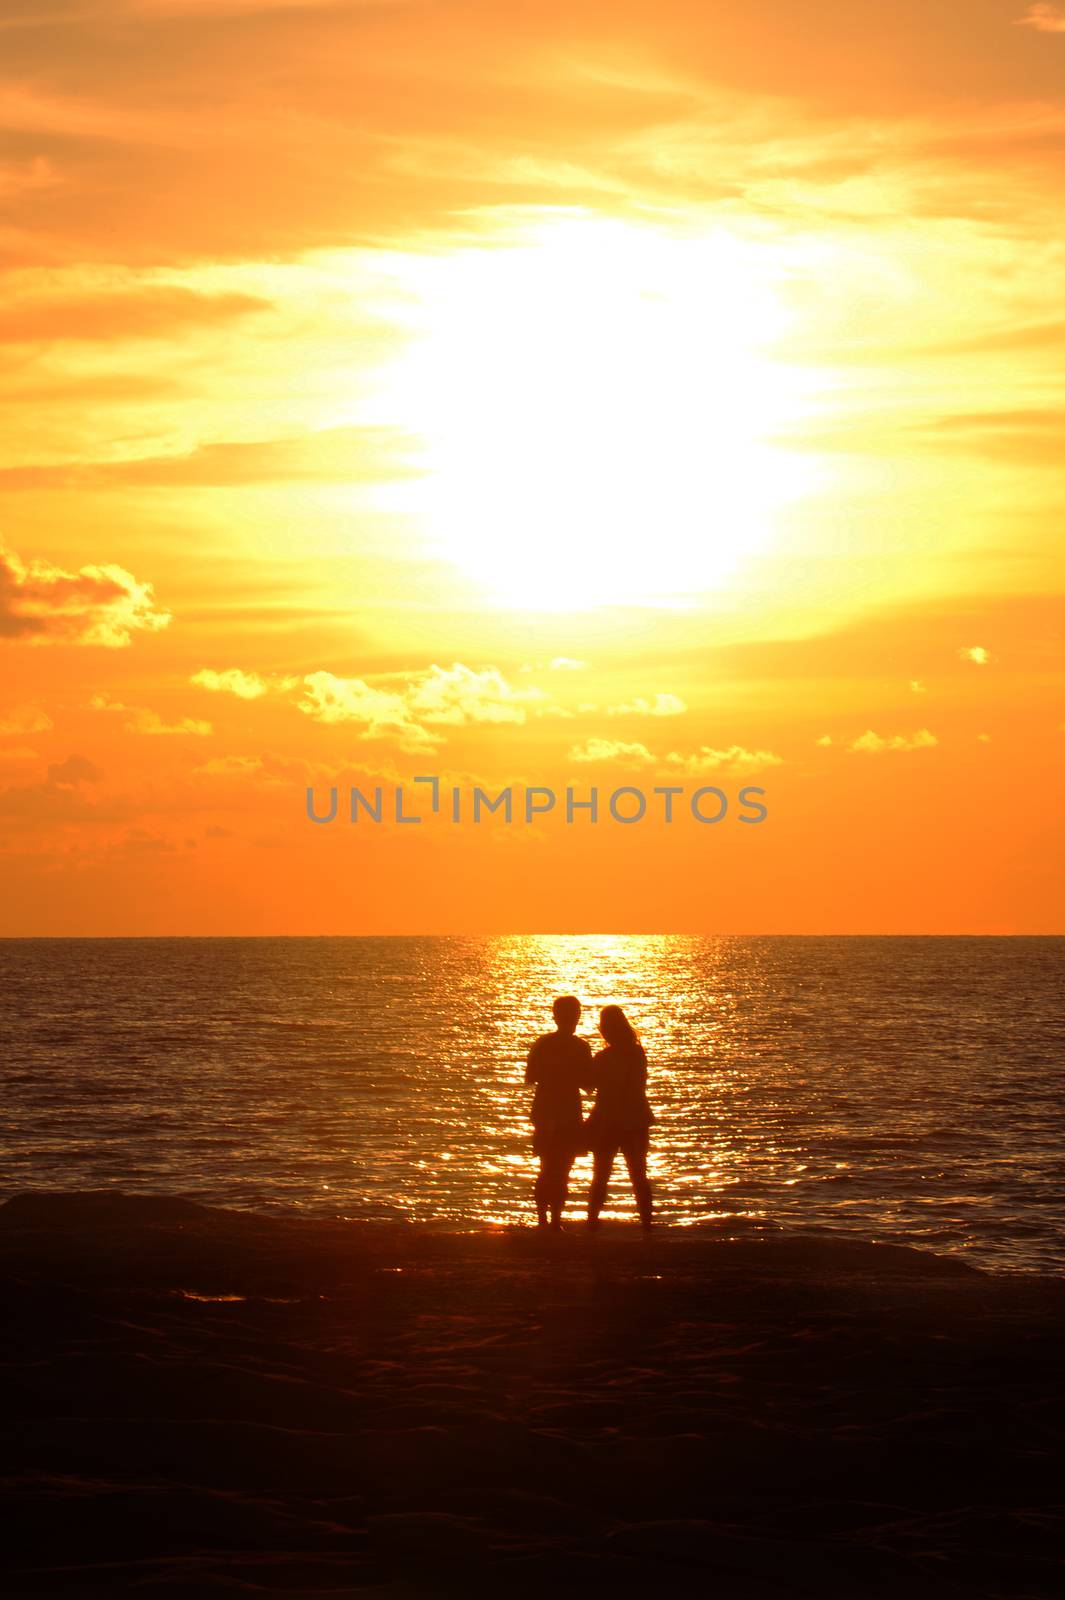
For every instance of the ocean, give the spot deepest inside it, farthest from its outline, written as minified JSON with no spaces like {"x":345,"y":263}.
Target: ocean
{"x":906,"y":1090}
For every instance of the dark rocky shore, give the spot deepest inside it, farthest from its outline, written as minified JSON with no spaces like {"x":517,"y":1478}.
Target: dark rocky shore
{"x":205,"y":1403}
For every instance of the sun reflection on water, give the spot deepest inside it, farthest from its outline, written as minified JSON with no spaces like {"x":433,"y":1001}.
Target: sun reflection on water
{"x":902,"y":1089}
{"x":683,"y":1019}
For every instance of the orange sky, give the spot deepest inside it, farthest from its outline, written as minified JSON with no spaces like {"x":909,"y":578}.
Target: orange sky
{"x":586,"y":394}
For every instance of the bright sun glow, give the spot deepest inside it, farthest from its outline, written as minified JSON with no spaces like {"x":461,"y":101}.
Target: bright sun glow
{"x":596,"y":408}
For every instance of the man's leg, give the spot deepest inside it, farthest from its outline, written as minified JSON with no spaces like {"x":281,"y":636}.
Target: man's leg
{"x":560,"y":1186}
{"x":541,"y":1192}
{"x":602,"y":1167}
{"x":636,"y":1161}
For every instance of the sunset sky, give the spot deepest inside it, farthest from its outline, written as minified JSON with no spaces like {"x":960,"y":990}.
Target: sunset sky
{"x":531,"y":394}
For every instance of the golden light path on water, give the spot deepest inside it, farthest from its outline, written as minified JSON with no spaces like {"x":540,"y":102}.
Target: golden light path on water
{"x":625,"y":971}
{"x":902,"y":1089}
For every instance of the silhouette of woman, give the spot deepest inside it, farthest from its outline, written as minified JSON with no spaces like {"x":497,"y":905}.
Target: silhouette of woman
{"x":621,"y":1118}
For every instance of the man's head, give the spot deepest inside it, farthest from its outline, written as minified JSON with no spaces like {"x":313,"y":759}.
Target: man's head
{"x":566,"y":1012}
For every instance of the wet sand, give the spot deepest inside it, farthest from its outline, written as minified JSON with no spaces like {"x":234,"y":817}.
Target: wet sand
{"x":199,"y":1402}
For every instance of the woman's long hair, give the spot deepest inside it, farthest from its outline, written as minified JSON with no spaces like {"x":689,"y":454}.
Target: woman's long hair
{"x":618,"y":1031}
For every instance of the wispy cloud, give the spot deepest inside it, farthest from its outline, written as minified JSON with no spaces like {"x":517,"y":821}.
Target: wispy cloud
{"x":614,"y":750}
{"x":266,"y":771}
{"x":977,"y":654}
{"x":730,"y":762}
{"x":332,"y":455}
{"x":140,"y":719}
{"x":25,"y":719}
{"x":232,"y":680}
{"x":734,"y":760}
{"x":874,"y":744}
{"x":659,"y":705}
{"x":1044,"y":18}
{"x":146,"y":313}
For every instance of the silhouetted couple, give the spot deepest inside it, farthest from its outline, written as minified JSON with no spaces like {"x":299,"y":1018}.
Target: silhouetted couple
{"x":562,"y":1067}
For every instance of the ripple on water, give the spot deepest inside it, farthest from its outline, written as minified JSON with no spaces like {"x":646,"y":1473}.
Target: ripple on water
{"x":902,"y":1089}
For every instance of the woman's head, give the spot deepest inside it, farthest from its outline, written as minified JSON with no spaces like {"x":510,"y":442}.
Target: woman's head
{"x":616,"y":1028}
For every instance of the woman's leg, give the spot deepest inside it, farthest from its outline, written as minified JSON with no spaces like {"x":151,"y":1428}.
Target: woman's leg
{"x":636,"y":1161}
{"x":603,"y":1166}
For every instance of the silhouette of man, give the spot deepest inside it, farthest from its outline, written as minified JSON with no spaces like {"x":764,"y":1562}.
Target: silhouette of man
{"x":559,"y":1064}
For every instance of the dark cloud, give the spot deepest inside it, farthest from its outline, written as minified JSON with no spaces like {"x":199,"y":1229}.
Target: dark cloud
{"x":65,"y":795}
{"x":74,"y":770}
{"x":98,"y":605}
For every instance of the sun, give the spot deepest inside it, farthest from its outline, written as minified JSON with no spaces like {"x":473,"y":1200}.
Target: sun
{"x":596,"y":408}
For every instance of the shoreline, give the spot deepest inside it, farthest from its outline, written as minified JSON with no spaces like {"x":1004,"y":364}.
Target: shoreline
{"x":163,"y":1208}
{"x":211,"y":1402}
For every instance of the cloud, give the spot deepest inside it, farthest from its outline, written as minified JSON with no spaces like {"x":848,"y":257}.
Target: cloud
{"x":976,"y":654}
{"x":22,"y":177}
{"x":662,"y":705}
{"x":265,"y":771}
{"x":824,"y":742}
{"x":1014,"y":336}
{"x":73,"y":771}
{"x":458,"y":694}
{"x":633,"y":755}
{"x":61,"y":797}
{"x":1044,"y":18}
{"x":917,"y":687}
{"x":330,"y":455}
{"x":234,"y":8}
{"x":232,"y":680}
{"x":566,"y":664}
{"x":382,"y":712}
{"x":139,"y":719}
{"x":453,"y":696}
{"x":231,"y":766}
{"x":140,"y":842}
{"x":1032,"y":435}
{"x":149,"y":313}
{"x":97,"y":605}
{"x":733,"y":760}
{"x":25,"y":719}
{"x":874,"y":744}
{"x":252,"y":769}
{"x":428,"y":111}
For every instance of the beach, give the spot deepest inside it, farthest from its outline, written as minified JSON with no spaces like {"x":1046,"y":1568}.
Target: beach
{"x":210,"y":1402}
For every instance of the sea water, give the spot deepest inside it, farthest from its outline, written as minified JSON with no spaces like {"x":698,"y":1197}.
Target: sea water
{"x":897,"y":1089}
